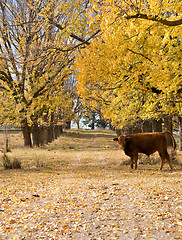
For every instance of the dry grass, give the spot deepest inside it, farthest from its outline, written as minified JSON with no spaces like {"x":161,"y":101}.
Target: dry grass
{"x":76,"y":151}
{"x":15,"y":140}
{"x":73,"y":150}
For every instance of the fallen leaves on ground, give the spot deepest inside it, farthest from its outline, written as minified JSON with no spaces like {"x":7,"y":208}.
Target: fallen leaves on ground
{"x":120,"y":205}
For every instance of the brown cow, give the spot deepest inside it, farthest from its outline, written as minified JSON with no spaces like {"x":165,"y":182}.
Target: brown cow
{"x":146,"y":143}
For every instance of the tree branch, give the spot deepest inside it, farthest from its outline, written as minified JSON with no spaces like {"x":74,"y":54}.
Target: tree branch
{"x":44,"y":88}
{"x":71,"y":35}
{"x":79,"y":44}
{"x":82,"y":40}
{"x":156,"y":18}
{"x":140,"y":54}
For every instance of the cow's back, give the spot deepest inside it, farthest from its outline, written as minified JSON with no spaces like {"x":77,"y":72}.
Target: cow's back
{"x":147,"y":143}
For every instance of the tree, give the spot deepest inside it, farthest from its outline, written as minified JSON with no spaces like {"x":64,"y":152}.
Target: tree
{"x":134,"y":67}
{"x":30,"y":72}
{"x":36,"y":58}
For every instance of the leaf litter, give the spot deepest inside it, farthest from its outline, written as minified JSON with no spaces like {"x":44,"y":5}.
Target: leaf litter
{"x":117,"y":205}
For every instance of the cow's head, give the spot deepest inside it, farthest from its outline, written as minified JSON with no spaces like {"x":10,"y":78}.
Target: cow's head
{"x":122,"y":141}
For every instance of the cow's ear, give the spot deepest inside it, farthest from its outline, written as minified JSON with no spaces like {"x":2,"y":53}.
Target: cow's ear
{"x":115,"y":139}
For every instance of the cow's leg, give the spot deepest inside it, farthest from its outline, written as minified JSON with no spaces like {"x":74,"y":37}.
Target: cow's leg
{"x":135,"y":160}
{"x":131,"y":162}
{"x":162,"y":155}
{"x":169,"y":160}
{"x":166,"y":156}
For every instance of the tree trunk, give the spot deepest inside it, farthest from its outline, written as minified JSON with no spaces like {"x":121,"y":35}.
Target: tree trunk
{"x":35,"y":135}
{"x":137,"y":127}
{"x":60,"y":129}
{"x":26,"y":130}
{"x":50,"y":133}
{"x":147,"y":126}
{"x":168,"y":126}
{"x":157,"y":125}
{"x":118,"y":132}
{"x":57,"y":131}
{"x":128,"y":129}
{"x":180,"y":132}
{"x":93,"y":121}
{"x":42,"y":135}
{"x":111,"y":127}
{"x":39,"y":135}
{"x":78,"y":124}
{"x":68,"y":125}
{"x":102,"y":122}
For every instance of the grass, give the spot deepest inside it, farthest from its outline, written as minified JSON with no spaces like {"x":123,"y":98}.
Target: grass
{"x":76,"y":150}
{"x":72,"y":150}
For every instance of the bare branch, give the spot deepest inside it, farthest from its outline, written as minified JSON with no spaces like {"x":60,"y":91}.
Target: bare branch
{"x":78,"y":45}
{"x":140,"y":55}
{"x":156,"y":18}
{"x":82,"y":40}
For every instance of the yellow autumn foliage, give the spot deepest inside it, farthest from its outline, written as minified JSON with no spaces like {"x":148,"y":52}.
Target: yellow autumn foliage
{"x":133,"y":69}
{"x":36,"y":38}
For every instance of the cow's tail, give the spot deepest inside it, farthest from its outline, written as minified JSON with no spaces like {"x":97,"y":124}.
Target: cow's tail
{"x":174,"y":142}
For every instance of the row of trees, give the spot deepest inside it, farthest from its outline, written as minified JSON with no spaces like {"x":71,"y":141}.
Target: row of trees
{"x":126,"y":56}
{"x":38,"y":40}
{"x":132,"y":71}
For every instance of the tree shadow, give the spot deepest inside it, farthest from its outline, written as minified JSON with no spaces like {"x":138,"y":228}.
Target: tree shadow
{"x":88,"y":134}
